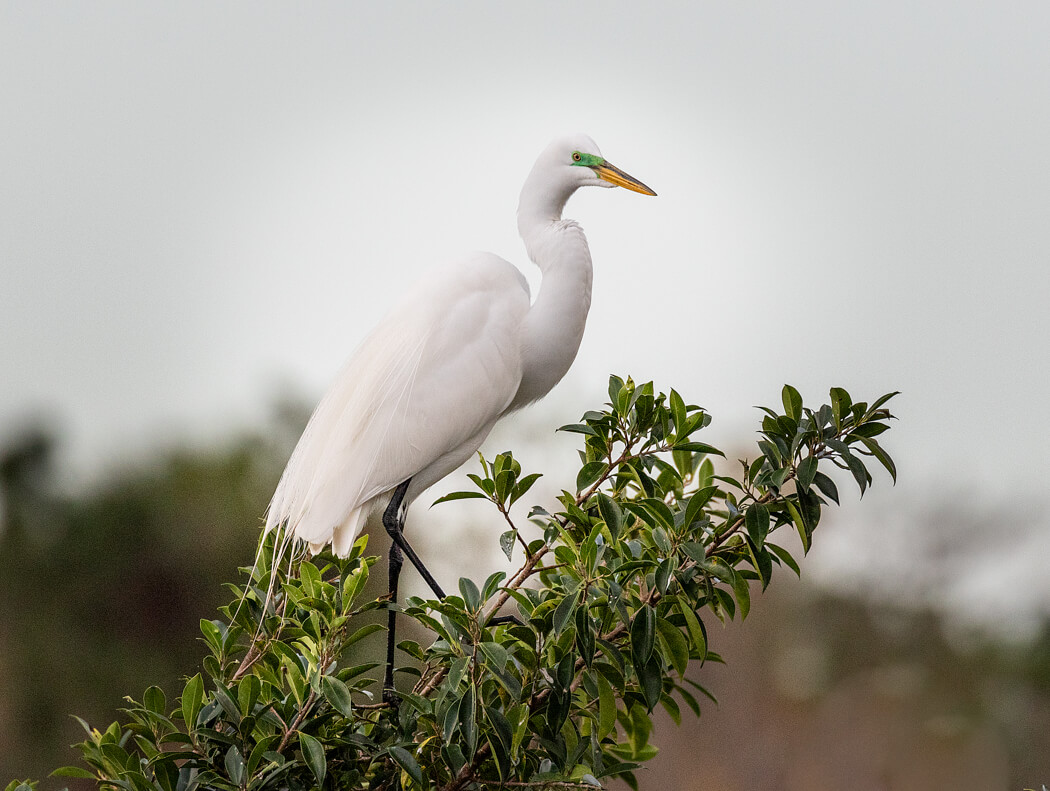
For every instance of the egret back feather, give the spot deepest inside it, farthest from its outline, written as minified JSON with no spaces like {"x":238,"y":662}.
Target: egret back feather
{"x":396,"y":410}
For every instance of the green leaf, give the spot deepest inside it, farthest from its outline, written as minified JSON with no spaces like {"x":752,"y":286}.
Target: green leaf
{"x":563,"y":614}
{"x":762,"y":562}
{"x":868,"y":430}
{"x":260,"y":748}
{"x":487,"y":485}
{"x":457,"y":671}
{"x":338,"y":695}
{"x":579,"y":428}
{"x":606,"y":706}
{"x":352,"y":586}
{"x":496,"y":654}
{"x":610,"y":513}
{"x":518,"y":717}
{"x":882,"y":400}
{"x":743,"y":595}
{"x":590,"y":473}
{"x":880,"y":454}
{"x":754,"y":468}
{"x":506,"y":542}
{"x":796,"y":517}
{"x":724,"y":604}
{"x":827,"y":486}
{"x":676,"y":644}
{"x":505,"y":481}
{"x":227,"y":703}
{"x":860,"y":473}
{"x":809,"y":507}
{"x":451,"y":718}
{"x":671,"y":707}
{"x":459,"y":496}
{"x":702,"y":690}
{"x":719,"y":568}
{"x":154,"y":700}
{"x":694,"y":626}
{"x":363,"y":632}
{"x":663,"y":575}
{"x":501,"y":726}
{"x":663,"y":514}
{"x":694,"y":510}
{"x":584,"y":635}
{"x":492,"y":583}
{"x":65,"y":771}
{"x":806,"y":471}
{"x":771,"y":452}
{"x":689,"y":700}
{"x":310,"y":577}
{"x":792,"y":402}
{"x":786,"y":557}
{"x":644,"y":514}
{"x":698,"y":447}
{"x":643,"y":635}
{"x":471,"y":594}
{"x":248,"y":693}
{"x":234,"y":763}
{"x":679,"y":413}
{"x":468,"y":724}
{"x":524,"y":485}
{"x":840,"y":404}
{"x":756,"y":522}
{"x":650,"y":677}
{"x":212,"y":635}
{"x":192,"y":700}
{"x":313,"y":754}
{"x":694,"y":550}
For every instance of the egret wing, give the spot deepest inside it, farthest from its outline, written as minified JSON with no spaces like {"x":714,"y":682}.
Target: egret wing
{"x":414,"y":401}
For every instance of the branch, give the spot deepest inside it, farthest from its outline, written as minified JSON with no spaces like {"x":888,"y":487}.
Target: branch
{"x":307,"y":705}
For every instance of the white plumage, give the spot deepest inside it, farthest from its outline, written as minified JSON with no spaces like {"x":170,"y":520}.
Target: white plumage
{"x":461,"y":349}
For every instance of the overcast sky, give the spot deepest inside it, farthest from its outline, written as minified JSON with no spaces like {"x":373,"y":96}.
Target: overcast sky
{"x":202,"y":203}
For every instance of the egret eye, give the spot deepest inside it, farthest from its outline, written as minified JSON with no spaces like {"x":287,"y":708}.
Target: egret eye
{"x":576,"y":156}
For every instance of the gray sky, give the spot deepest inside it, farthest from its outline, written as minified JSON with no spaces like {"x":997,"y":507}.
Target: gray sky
{"x":202,"y":202}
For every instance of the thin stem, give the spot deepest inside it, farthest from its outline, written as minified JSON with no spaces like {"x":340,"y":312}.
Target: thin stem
{"x":516,"y":582}
{"x":303,"y":712}
{"x":255,"y":652}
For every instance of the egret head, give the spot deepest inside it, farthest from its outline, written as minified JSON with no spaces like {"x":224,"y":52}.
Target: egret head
{"x":575,"y":161}
{"x":565,"y":165}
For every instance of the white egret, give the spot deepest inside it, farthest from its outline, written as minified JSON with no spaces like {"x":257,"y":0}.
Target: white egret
{"x":463,"y":348}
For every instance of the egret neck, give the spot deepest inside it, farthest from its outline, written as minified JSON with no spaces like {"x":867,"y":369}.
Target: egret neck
{"x":553,"y":327}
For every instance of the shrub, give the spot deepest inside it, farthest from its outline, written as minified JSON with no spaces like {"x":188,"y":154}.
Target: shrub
{"x":611,"y":605}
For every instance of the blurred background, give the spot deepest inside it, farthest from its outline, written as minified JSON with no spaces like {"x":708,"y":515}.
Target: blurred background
{"x":204,"y":207}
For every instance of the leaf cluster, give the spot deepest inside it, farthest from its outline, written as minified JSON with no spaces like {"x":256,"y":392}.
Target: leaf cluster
{"x":610,"y":604}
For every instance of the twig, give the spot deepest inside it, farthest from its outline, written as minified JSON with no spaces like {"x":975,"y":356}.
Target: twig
{"x":307,"y":705}
{"x":371,"y":706}
{"x":255,"y":653}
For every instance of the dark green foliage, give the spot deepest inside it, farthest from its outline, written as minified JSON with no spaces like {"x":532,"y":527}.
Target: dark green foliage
{"x":611,"y":601}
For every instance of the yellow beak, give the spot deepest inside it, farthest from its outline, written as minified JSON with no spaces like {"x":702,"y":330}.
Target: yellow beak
{"x":614,"y":175}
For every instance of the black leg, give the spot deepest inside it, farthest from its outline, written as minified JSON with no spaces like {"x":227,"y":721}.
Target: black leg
{"x":394,"y":571}
{"x":395,"y":526}
{"x":393,"y":521}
